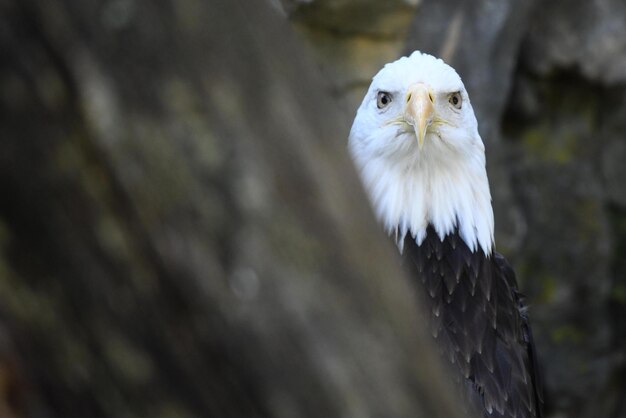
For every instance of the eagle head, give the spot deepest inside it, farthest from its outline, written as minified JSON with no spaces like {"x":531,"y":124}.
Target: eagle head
{"x":415,"y":141}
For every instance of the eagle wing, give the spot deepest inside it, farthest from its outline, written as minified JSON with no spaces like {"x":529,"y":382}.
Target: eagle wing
{"x":518,"y":345}
{"x":479,"y":320}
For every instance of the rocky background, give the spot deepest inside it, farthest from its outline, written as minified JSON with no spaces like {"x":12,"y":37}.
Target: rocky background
{"x":182,"y":233}
{"x":548,"y":83}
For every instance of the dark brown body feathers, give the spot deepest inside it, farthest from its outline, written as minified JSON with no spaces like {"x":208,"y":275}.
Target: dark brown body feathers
{"x":479,"y":321}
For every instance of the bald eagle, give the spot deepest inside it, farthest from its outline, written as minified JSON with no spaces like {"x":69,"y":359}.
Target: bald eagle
{"x":416,"y":145}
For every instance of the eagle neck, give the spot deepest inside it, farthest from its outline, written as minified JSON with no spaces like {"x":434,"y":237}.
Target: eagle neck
{"x":412,"y":192}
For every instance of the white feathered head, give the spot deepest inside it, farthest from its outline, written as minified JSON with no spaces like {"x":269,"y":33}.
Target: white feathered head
{"x":415,"y":141}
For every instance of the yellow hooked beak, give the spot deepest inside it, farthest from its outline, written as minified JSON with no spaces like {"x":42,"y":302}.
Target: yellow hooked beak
{"x":419,"y":109}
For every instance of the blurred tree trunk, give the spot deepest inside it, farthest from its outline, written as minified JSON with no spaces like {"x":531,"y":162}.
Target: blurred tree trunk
{"x":181,"y":231}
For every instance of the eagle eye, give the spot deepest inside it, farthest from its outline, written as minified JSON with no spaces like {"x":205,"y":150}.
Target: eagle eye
{"x":456,"y":100}
{"x":383,"y":99}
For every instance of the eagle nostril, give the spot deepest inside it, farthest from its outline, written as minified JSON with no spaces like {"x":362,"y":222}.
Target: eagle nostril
{"x":408,"y":97}
{"x":430,"y":96}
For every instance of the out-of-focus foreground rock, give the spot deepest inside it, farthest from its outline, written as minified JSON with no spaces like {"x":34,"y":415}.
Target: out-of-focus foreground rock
{"x":182,"y":233}
{"x":548,"y":83}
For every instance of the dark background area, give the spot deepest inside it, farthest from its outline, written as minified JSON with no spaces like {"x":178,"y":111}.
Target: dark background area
{"x":182,"y":233}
